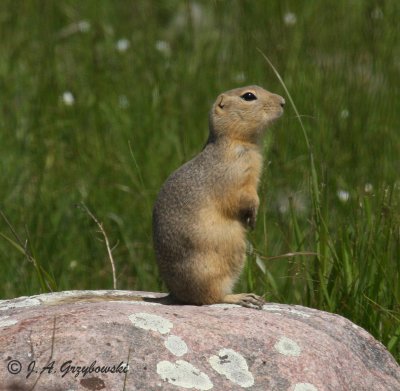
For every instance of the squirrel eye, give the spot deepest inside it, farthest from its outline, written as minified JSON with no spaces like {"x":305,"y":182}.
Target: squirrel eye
{"x":248,"y":96}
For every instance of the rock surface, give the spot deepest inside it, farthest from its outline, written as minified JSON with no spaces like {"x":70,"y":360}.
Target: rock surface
{"x":134,"y":345}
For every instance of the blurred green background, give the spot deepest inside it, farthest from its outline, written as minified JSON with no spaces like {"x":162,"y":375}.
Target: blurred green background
{"x":102,"y":100}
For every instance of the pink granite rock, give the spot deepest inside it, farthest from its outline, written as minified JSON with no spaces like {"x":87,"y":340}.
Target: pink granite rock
{"x":133,"y":345}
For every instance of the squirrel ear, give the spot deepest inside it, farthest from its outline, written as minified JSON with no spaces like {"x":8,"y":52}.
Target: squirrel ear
{"x":220,"y":103}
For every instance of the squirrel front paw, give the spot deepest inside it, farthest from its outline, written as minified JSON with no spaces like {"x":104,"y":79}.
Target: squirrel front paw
{"x":248,"y":217}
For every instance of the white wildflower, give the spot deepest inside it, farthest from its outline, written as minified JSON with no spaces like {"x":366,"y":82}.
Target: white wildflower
{"x":368,"y":188}
{"x":73,"y":264}
{"x":163,"y":47}
{"x":123,"y":45}
{"x":290,"y":18}
{"x":68,"y":98}
{"x":344,"y":114}
{"x":343,"y":195}
{"x":84,"y":26}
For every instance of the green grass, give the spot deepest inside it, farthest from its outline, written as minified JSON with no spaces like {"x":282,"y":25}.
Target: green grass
{"x":139,"y":114}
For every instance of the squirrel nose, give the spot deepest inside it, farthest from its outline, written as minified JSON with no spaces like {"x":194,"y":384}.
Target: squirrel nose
{"x":283,"y":103}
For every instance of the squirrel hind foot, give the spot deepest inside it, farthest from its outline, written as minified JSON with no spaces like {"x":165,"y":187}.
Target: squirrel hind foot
{"x":249,"y":300}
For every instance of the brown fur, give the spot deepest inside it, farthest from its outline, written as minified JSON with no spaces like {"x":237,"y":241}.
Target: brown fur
{"x":204,"y":208}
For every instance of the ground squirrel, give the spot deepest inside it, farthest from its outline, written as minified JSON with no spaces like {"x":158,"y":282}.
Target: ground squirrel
{"x":204,"y":208}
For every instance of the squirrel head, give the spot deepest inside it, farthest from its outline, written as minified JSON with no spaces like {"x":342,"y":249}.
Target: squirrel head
{"x":243,"y":113}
